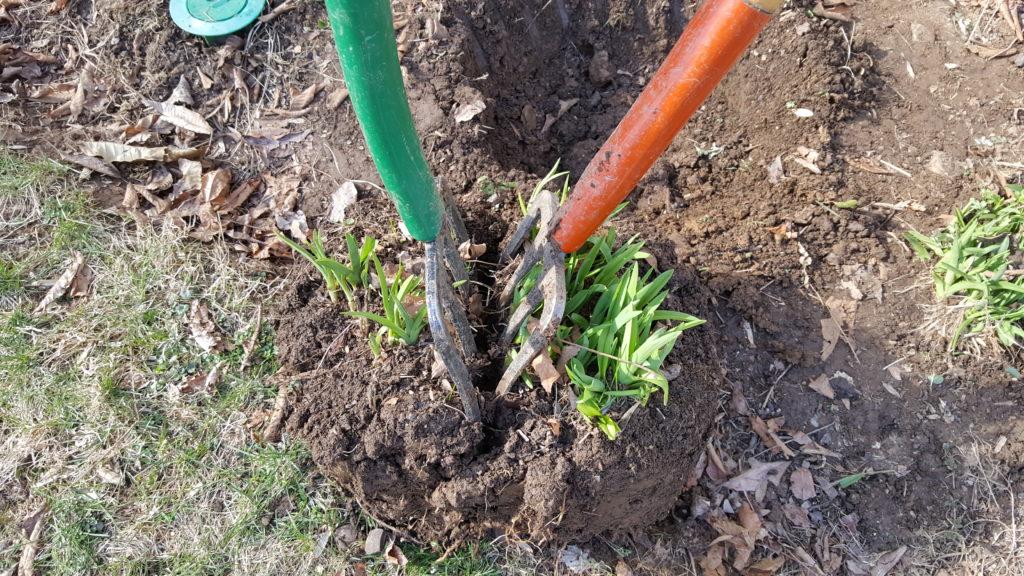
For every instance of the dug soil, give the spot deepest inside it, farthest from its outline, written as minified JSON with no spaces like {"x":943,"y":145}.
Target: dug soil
{"x":782,"y":208}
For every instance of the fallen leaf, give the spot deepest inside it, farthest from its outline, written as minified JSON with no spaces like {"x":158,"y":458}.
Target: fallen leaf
{"x":765,"y":567}
{"x":822,"y":386}
{"x":888,"y":561}
{"x":545,"y":370}
{"x":304,"y":98}
{"x":759,"y":474}
{"x":182,"y":93}
{"x":34,"y":532}
{"x":466,"y":112}
{"x":830,"y":335}
{"x":395,"y":556}
{"x":81,"y":284}
{"x":204,"y":331}
{"x":94,"y":164}
{"x":57,"y":6}
{"x":114,"y":152}
{"x":623,"y":569}
{"x":239,"y":195}
{"x":469,"y":251}
{"x":797,"y":515}
{"x":563,"y":107}
{"x":109,"y":475}
{"x":336,"y":98}
{"x":181,"y":117}
{"x":341,"y":199}
{"x":62,"y":284}
{"x":840,"y":11}
{"x":768,"y":437}
{"x":868,"y":165}
{"x":374,"y":544}
{"x":712,"y":563}
{"x":215,"y":186}
{"x":783,"y":231}
{"x":801,"y":484}
{"x":806,"y":561}
{"x":199,"y":383}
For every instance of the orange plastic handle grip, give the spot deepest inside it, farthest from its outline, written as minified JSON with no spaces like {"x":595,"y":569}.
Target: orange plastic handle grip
{"x":712,"y":42}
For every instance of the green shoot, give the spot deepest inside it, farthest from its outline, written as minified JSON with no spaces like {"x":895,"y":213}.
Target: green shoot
{"x":614,"y":322}
{"x":405,"y":315}
{"x":552,"y":175}
{"x":337,"y":276}
{"x":978,"y":263}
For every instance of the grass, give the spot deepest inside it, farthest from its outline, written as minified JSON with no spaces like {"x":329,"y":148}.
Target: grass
{"x":980,"y":268}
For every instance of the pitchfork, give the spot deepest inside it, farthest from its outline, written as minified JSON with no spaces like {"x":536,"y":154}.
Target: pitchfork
{"x":712,"y":42}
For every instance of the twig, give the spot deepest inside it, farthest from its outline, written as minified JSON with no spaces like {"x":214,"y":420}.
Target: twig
{"x":398,"y":531}
{"x":771,"y":391}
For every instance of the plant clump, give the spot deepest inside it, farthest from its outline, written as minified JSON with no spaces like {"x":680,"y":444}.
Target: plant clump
{"x":981,"y":264}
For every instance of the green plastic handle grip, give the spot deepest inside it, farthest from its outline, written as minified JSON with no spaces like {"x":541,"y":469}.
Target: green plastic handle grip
{"x":365,"y":37}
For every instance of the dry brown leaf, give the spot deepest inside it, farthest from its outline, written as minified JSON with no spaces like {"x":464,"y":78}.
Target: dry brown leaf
{"x":830,"y":335}
{"x":783,"y":231}
{"x":204,"y":331}
{"x":797,"y":515}
{"x":181,"y":117}
{"x":215,"y":186}
{"x":63,"y":283}
{"x":337,"y":98}
{"x":806,"y":561}
{"x":395,"y":556}
{"x":114,"y":152}
{"x":546,"y":371}
{"x":888,"y":561}
{"x":768,"y":436}
{"x":250,"y":344}
{"x":94,"y":164}
{"x":765,"y":567}
{"x":713,"y":561}
{"x":199,"y":383}
{"x":868,"y":165}
{"x":182,"y":93}
{"x":81,"y":284}
{"x":191,"y":176}
{"x":623,"y":569}
{"x":823,"y":386}
{"x":57,"y":6}
{"x":563,"y":107}
{"x":33,"y":528}
{"x":801,"y":484}
{"x":240,"y":194}
{"x":759,"y":474}
{"x":304,"y":98}
{"x":469,"y":251}
{"x":841,"y":11}
{"x":991,"y":53}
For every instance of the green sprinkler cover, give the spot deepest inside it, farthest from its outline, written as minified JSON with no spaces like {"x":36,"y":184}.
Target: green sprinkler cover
{"x":215,"y":19}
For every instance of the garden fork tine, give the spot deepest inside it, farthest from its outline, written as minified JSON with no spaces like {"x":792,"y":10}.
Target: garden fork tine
{"x":712,"y":42}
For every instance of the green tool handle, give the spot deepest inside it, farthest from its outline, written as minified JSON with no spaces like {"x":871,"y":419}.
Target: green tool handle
{"x":365,"y":37}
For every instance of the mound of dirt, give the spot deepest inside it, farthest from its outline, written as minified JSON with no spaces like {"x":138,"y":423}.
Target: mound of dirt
{"x":391,"y":436}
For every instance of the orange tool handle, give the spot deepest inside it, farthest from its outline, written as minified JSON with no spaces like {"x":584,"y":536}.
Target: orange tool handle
{"x":712,"y":42}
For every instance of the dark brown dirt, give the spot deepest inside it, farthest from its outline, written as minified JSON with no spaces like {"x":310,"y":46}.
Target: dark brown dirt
{"x":387,"y":433}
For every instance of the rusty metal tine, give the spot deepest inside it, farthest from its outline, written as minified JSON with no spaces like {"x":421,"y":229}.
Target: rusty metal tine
{"x":521,"y":234}
{"x":553,"y":290}
{"x":456,"y":266}
{"x":456,"y":314}
{"x":439,"y":300}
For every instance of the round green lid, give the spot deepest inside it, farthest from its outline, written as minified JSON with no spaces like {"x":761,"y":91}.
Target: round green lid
{"x":214,"y":18}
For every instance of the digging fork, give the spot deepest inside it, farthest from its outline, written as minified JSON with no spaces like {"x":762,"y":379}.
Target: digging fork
{"x":711,"y":44}
{"x":364,"y":35}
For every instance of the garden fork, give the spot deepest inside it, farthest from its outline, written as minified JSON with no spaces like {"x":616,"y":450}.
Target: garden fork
{"x":711,"y":43}
{"x":364,"y":35}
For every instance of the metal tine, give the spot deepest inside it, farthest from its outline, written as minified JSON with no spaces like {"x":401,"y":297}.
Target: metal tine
{"x":552,"y":289}
{"x":549,"y":289}
{"x":439,"y":301}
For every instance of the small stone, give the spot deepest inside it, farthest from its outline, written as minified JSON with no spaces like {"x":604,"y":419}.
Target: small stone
{"x":601,"y":70}
{"x":804,"y":216}
{"x":1019,"y":60}
{"x":823,"y":223}
{"x":938,"y":163}
{"x":855,"y":227}
{"x":921,"y":33}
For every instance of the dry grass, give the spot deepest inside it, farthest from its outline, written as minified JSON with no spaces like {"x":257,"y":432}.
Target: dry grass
{"x":985,"y":535}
